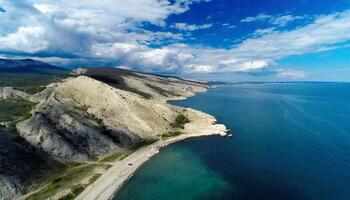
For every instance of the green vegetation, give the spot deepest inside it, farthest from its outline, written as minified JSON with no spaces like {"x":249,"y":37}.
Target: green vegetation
{"x":93,"y":159}
{"x":144,"y":142}
{"x":69,"y":196}
{"x":20,"y":80}
{"x":15,"y":110}
{"x":32,"y":89}
{"x":68,"y":179}
{"x":133,"y":90}
{"x":77,"y":189}
{"x":161,"y":91}
{"x":96,"y":119}
{"x":30,"y":83}
{"x":172,"y":134}
{"x":108,"y":166}
{"x":180,"y":121}
{"x":113,"y":157}
{"x":94,"y":178}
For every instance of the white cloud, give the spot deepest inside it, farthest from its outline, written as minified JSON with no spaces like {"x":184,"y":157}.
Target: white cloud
{"x":257,"y":18}
{"x":279,"y":20}
{"x":243,"y":65}
{"x":80,"y":25}
{"x":152,"y":11}
{"x":290,"y":74}
{"x":123,"y":67}
{"x":190,"y":27}
{"x":202,"y":69}
{"x":326,"y":31}
{"x":228,"y":25}
{"x":116,"y":50}
{"x":285,"y":19}
{"x":253,"y":65}
{"x":137,"y":55}
{"x":46,"y":8}
{"x":29,"y":39}
{"x":260,"y":32}
{"x":209,"y":17}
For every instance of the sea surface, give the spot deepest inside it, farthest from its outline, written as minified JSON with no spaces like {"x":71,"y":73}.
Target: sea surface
{"x":290,"y":141}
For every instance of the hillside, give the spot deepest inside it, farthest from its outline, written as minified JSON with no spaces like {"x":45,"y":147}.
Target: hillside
{"x":100,"y":113}
{"x":28,"y":75}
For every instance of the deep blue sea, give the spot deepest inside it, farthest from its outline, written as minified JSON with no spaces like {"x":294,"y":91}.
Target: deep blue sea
{"x":290,"y":141}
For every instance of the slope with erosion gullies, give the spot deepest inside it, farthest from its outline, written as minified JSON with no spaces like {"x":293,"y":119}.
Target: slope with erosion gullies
{"x":84,"y":117}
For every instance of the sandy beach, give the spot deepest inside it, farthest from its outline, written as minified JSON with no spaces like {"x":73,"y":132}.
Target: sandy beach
{"x":111,"y":181}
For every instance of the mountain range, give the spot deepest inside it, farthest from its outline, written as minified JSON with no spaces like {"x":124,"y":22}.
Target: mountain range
{"x":29,"y":66}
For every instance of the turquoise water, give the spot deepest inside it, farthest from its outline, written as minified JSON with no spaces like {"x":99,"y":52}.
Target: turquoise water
{"x":290,"y":141}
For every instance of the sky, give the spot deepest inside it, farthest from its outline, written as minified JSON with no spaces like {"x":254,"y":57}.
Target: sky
{"x":226,"y":40}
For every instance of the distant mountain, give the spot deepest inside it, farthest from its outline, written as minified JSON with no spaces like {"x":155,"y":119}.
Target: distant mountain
{"x":28,"y":66}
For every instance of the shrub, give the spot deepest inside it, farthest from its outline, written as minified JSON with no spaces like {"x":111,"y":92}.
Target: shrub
{"x":77,"y":189}
{"x":172,"y":134}
{"x":69,"y":196}
{"x":32,"y":89}
{"x":94,"y":178}
{"x":180,"y":121}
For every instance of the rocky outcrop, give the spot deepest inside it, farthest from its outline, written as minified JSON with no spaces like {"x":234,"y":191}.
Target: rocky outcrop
{"x":11,"y":93}
{"x":79,"y":71}
{"x":67,"y":133}
{"x":9,"y":188}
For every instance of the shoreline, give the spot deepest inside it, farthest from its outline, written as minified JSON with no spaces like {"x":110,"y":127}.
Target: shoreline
{"x":106,"y":187}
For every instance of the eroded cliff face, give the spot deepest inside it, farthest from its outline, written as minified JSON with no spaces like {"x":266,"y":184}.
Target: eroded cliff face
{"x":102,"y":112}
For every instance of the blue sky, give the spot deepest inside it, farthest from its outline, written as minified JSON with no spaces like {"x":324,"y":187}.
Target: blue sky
{"x":234,"y":40}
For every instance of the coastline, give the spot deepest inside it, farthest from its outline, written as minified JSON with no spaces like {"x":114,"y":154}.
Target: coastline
{"x":112,"y":180}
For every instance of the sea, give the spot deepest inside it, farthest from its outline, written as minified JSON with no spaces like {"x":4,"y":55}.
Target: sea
{"x":290,"y":141}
